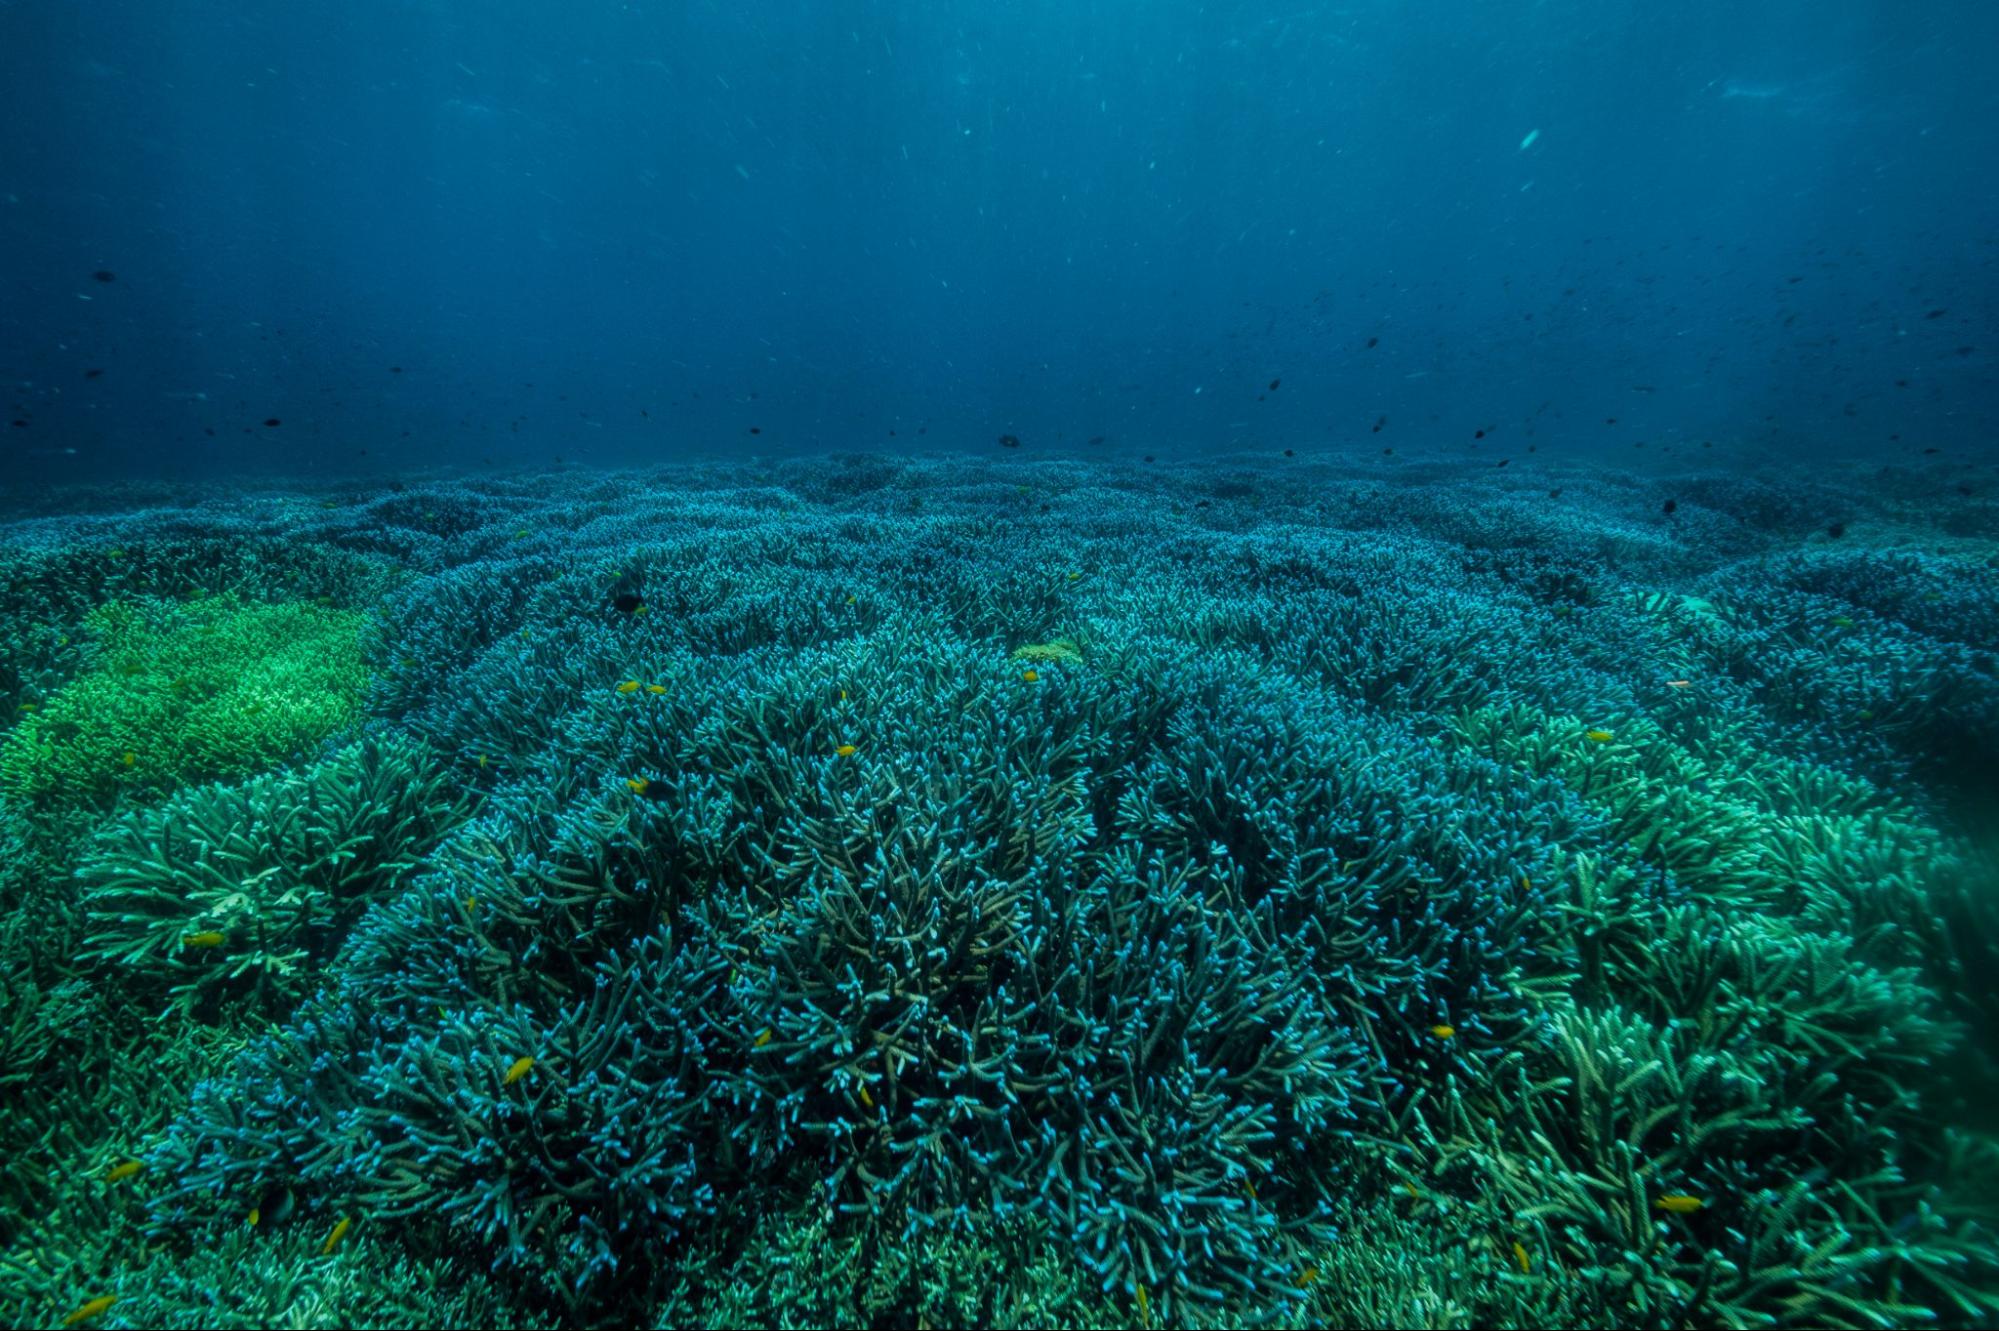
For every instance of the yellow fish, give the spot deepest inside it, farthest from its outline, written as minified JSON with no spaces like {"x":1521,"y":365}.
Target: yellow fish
{"x":123,"y":1170}
{"x":1679,"y":1203}
{"x":206,"y":938}
{"x":630,"y":686}
{"x":339,"y":1233}
{"x":256,"y":1214}
{"x":518,"y":1070}
{"x":1598,"y":736}
{"x":1144,"y":1308}
{"x":1520,"y":1256}
{"x":1030,"y":676}
{"x":866,"y":1099}
{"x":656,"y":689}
{"x":1443,"y":1032}
{"x":850,"y":600}
{"x":763,"y":1037}
{"x":128,"y":758}
{"x":639,"y":785}
{"x":482,"y":762}
{"x":846,"y":751}
{"x":1844,"y":621}
{"x":1308,"y":1276}
{"x":97,"y":1307}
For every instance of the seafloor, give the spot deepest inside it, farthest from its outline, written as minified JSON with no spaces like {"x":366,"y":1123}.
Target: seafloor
{"x":882,"y":892}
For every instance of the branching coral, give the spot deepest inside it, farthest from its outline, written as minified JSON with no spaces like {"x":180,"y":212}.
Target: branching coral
{"x":1043,"y":1023}
{"x":223,"y":888}
{"x":808,"y":1270}
{"x":1430,"y":905}
{"x":245,"y":1278}
{"x":215,"y":688}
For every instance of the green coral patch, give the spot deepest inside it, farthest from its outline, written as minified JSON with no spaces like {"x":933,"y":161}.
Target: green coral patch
{"x":221,"y":689}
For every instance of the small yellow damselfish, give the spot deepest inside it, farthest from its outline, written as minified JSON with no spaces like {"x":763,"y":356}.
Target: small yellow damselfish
{"x":97,"y":1307}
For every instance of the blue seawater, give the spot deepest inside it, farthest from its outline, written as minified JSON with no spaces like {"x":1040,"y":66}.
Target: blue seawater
{"x":1025,"y":664}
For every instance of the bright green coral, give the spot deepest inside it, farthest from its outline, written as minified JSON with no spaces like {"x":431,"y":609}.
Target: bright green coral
{"x":223,"y":688}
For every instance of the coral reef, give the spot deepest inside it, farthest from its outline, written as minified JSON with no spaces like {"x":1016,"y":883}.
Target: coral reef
{"x":867,"y":892}
{"x":251,"y":886}
{"x":179,"y":691}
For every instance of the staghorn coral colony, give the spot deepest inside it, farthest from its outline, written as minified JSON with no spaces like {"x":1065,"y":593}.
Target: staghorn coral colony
{"x":880,"y":892}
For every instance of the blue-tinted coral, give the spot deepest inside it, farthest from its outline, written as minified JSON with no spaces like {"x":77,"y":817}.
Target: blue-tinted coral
{"x":1386,"y":863}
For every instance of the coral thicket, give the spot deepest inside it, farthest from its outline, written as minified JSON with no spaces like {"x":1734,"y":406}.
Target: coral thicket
{"x":872,"y":892}
{"x":214,"y":687}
